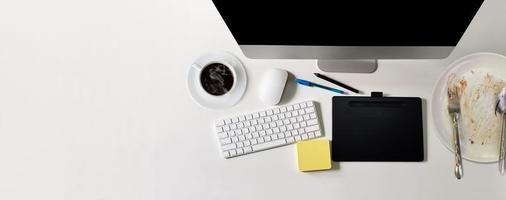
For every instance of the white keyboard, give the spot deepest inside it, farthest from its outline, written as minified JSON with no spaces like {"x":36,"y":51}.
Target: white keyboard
{"x":267,"y":129}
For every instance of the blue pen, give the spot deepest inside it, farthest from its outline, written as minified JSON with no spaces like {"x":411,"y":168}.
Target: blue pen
{"x":311,"y":84}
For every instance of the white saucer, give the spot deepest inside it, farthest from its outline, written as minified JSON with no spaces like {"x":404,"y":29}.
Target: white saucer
{"x":206,"y":100}
{"x":471,"y":68}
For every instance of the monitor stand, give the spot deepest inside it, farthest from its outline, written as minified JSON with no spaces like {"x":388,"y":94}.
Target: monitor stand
{"x":348,"y":66}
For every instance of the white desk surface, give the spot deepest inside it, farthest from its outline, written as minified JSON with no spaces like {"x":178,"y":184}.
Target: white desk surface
{"x":93,"y":105}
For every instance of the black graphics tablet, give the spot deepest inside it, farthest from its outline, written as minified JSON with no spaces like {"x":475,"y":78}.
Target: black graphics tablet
{"x":377,"y":129}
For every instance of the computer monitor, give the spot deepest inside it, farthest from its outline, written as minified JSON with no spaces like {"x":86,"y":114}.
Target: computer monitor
{"x":347,"y":35}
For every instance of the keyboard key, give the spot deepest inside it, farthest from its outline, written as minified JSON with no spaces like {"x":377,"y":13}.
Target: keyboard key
{"x":247,"y":149}
{"x":274,"y":137}
{"x":269,"y":112}
{"x":233,"y":126}
{"x":235,"y":139}
{"x":310,"y":110}
{"x":300,"y":118}
{"x":312,"y":122}
{"x":303,"y":124}
{"x":290,"y":140}
{"x":303,"y":105}
{"x":226,"y":154}
{"x":296,"y":106}
{"x":309,"y":103}
{"x":226,"y":141}
{"x":232,"y":153}
{"x":275,"y":130}
{"x":249,"y":116}
{"x":298,"y":138}
{"x":239,"y":144}
{"x":267,"y":138}
{"x":219,"y":129}
{"x":283,"y":109}
{"x":304,"y":136}
{"x":262,"y":133}
{"x":288,"y":134}
{"x":302,"y":112}
{"x":273,"y":124}
{"x":256,"y":134}
{"x":281,"y":135}
{"x":296,"y":126}
{"x":318,"y":133}
{"x":256,"y":115}
{"x":228,"y":147}
{"x":276,"y":110}
{"x":239,"y":151}
{"x":268,"y":145}
{"x":260,"y":140}
{"x":288,"y":114}
{"x":253,"y":141}
{"x":312,"y":128}
{"x":228,"y":121}
{"x":265,"y":126}
{"x":249,"y":136}
{"x":312,"y":115}
{"x":279,"y":123}
{"x":242,"y":118}
{"x":235,"y":119}
{"x":295,"y":113}
{"x":310,"y":135}
{"x":222,"y":135}
{"x":220,"y":122}
{"x":242,"y":138}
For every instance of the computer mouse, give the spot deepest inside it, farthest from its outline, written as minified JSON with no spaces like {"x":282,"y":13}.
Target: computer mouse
{"x":272,"y":86}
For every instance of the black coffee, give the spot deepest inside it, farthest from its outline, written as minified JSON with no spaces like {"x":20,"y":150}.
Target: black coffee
{"x":217,"y":79}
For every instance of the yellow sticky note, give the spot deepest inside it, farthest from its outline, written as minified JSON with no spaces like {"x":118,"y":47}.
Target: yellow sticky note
{"x":313,"y":155}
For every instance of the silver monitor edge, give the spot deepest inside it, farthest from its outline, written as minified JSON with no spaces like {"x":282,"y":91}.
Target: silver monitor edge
{"x":345,"y":52}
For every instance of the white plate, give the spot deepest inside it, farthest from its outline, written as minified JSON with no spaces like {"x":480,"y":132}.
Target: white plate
{"x":206,"y":100}
{"x":483,"y":76}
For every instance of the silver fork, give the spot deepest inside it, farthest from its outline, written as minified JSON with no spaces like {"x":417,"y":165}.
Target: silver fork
{"x":501,"y":108}
{"x":454,"y":111}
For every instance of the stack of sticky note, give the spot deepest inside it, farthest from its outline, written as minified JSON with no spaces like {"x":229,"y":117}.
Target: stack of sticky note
{"x":313,"y":155}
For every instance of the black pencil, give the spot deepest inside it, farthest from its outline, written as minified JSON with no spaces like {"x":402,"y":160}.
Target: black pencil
{"x":337,"y":83}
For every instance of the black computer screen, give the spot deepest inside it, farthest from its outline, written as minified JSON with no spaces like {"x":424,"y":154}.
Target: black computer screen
{"x":348,"y":23}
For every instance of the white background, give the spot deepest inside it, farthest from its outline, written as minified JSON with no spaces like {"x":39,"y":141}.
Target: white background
{"x":94,"y":105}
